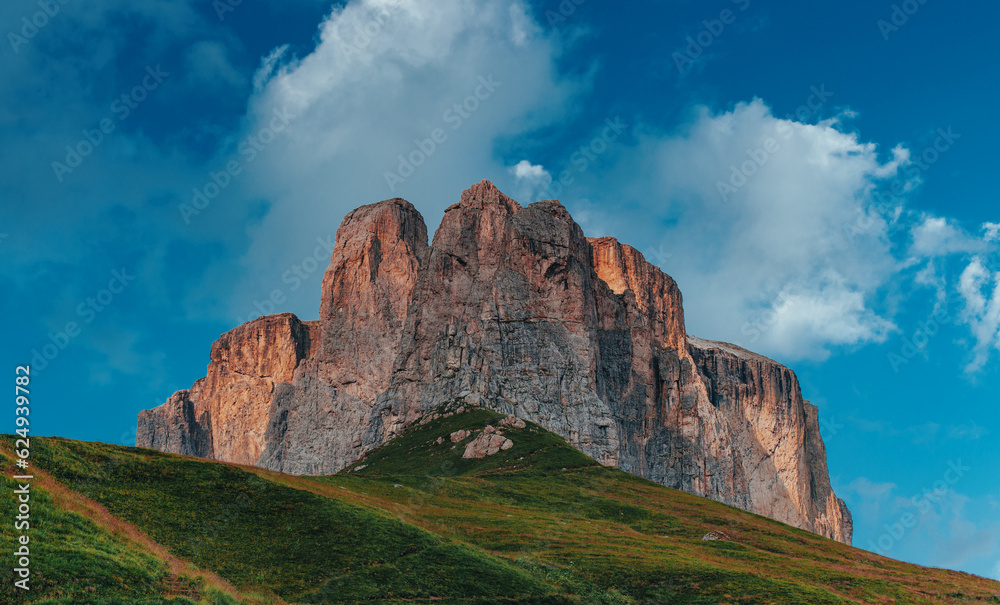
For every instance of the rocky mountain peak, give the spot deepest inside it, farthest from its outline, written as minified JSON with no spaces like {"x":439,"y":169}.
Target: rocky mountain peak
{"x":484,"y":194}
{"x":514,"y":309}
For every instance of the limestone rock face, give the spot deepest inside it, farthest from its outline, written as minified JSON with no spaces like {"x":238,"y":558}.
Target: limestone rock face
{"x":175,"y":427}
{"x":367,"y":292}
{"x":319,"y":422}
{"x":514,"y":309}
{"x":226,"y":413}
{"x":783,"y":454}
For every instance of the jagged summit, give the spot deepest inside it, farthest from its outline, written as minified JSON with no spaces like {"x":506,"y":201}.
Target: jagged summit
{"x":485,"y":193}
{"x":510,"y":308}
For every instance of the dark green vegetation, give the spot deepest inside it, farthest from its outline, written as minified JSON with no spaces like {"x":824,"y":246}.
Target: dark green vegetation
{"x":414,"y":522}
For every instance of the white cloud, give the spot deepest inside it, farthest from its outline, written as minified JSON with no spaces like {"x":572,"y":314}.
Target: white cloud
{"x":980,"y":290}
{"x":937,"y":236}
{"x":928,"y":276}
{"x":830,"y":310}
{"x":774,"y":230}
{"x":268,"y":64}
{"x":768,"y":224}
{"x":531,"y":181}
{"x":522,"y":26}
{"x":525,"y":170}
{"x":900,"y":158}
{"x":991,"y":232}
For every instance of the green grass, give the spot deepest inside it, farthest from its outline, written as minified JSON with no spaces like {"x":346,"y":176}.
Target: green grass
{"x":71,"y":558}
{"x":414,"y":522}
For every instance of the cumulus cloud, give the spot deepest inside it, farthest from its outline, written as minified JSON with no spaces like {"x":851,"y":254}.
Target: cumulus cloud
{"x":768,"y":224}
{"x":525,"y":170}
{"x":830,"y":310}
{"x":531,"y":181}
{"x":522,"y":26}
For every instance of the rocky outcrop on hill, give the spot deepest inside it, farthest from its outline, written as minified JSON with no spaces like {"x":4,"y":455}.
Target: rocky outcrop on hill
{"x":513,"y":309}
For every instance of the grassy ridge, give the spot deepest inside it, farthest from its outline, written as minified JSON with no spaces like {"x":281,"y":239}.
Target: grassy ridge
{"x":415,"y":522}
{"x":258,"y":534}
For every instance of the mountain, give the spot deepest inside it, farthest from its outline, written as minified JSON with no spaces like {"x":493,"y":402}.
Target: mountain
{"x":467,"y":506}
{"x":510,"y":308}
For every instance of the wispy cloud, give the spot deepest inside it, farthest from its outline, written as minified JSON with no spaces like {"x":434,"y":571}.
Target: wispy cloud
{"x":980,"y":288}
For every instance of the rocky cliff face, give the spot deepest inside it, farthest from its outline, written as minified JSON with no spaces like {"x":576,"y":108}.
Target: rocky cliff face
{"x":224,"y":416}
{"x":514,"y":309}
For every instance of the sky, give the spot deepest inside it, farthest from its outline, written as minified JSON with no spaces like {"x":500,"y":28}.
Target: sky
{"x":819,"y":178}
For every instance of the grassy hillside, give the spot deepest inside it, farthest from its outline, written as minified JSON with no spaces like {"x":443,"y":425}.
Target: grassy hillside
{"x":415,"y":522}
{"x":77,"y":557}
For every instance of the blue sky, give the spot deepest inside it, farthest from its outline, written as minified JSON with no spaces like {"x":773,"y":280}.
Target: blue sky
{"x":818,"y":177}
